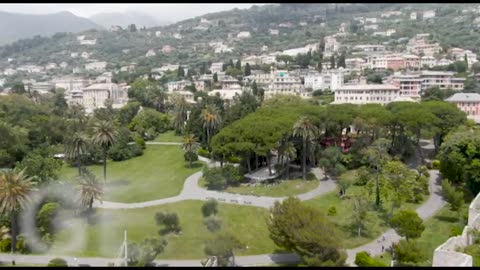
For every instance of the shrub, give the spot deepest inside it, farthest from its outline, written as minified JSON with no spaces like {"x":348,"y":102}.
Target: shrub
{"x":210,"y":207}
{"x":363,"y":258}
{"x":213,"y":223}
{"x":436,"y":164}
{"x":232,"y":174}
{"x":57,"y":262}
{"x":45,"y":217}
{"x":124,"y":151}
{"x":22,"y":246}
{"x":214,"y":178}
{"x":6,"y":245}
{"x":190,"y":156}
{"x":234,"y":159}
{"x":455,"y":231}
{"x":408,"y":252}
{"x":140,"y":141}
{"x":169,"y":220}
{"x":332,"y":211}
{"x":119,"y":152}
{"x":136,"y":149}
{"x":204,"y":152}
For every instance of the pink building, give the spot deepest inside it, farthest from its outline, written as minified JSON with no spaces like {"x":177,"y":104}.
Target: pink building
{"x":395,"y":63}
{"x":468,"y":103}
{"x":409,"y":85}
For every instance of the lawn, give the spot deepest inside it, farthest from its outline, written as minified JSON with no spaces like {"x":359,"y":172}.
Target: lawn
{"x":159,"y":173}
{"x":248,"y":223}
{"x":437,"y":231}
{"x":168,"y":136}
{"x":342,"y":218}
{"x":284,"y":188}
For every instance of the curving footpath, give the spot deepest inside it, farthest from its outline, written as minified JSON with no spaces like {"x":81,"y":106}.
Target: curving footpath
{"x":192,"y":191}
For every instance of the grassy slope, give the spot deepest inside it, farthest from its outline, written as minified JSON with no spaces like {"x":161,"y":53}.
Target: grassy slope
{"x":168,"y":136}
{"x":105,"y":238}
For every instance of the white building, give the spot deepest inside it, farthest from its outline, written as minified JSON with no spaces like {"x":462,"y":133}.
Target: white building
{"x":177,"y":36}
{"x":88,"y":42}
{"x":98,"y":66}
{"x":366,"y":93}
{"x":178,"y":85}
{"x":216,"y":67}
{"x":274,"y":32}
{"x":428,"y":14}
{"x":413,"y":16}
{"x":244,"y":34}
{"x":158,"y":33}
{"x":94,"y":96}
{"x":428,"y":61}
{"x":50,"y":66}
{"x":70,"y":84}
{"x":282,"y":83}
{"x":74,"y":54}
{"x":444,"y":62}
{"x":63,"y":64}
{"x":150,"y":53}
{"x":85,"y":55}
{"x":9,"y":72}
{"x":227,"y":95}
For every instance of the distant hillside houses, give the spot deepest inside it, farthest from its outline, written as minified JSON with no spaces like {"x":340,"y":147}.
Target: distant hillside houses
{"x":303,"y":50}
{"x":150,"y":53}
{"x":428,"y":14}
{"x":97,"y":65}
{"x":244,"y":34}
{"x":88,"y":42}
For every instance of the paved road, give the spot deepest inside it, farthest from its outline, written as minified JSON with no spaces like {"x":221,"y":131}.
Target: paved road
{"x":98,"y":261}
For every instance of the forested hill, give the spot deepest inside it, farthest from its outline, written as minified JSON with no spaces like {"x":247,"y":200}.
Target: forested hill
{"x":455,"y":25}
{"x":14,"y":26}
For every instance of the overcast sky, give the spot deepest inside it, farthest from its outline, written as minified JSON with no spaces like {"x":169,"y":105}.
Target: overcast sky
{"x":167,"y":12}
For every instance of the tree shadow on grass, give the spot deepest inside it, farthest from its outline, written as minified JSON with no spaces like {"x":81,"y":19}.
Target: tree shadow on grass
{"x":194,"y":165}
{"x":117,"y":183}
{"x":447,"y":219}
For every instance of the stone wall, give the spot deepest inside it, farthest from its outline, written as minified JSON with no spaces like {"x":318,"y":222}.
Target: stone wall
{"x":447,"y":254}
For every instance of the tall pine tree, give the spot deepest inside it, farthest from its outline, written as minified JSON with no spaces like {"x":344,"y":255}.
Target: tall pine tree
{"x":248,"y":72}
{"x":332,"y":61}
{"x":180,"y":72}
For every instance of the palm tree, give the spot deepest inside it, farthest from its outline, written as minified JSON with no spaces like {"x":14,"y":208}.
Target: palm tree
{"x":180,"y":107}
{"x":305,"y":129}
{"x":76,"y":147}
{"x":211,"y":120}
{"x":190,"y":145}
{"x":90,"y":189}
{"x":15,"y":189}
{"x":105,"y":134}
{"x":290,"y":153}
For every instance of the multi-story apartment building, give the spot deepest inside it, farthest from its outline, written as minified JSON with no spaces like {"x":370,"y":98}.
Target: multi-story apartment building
{"x":409,"y":85}
{"x":282,"y":83}
{"x":178,"y":85}
{"x":355,"y":63}
{"x":441,"y":79}
{"x":468,"y":103}
{"x":366,"y":93}
{"x":95,"y":95}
